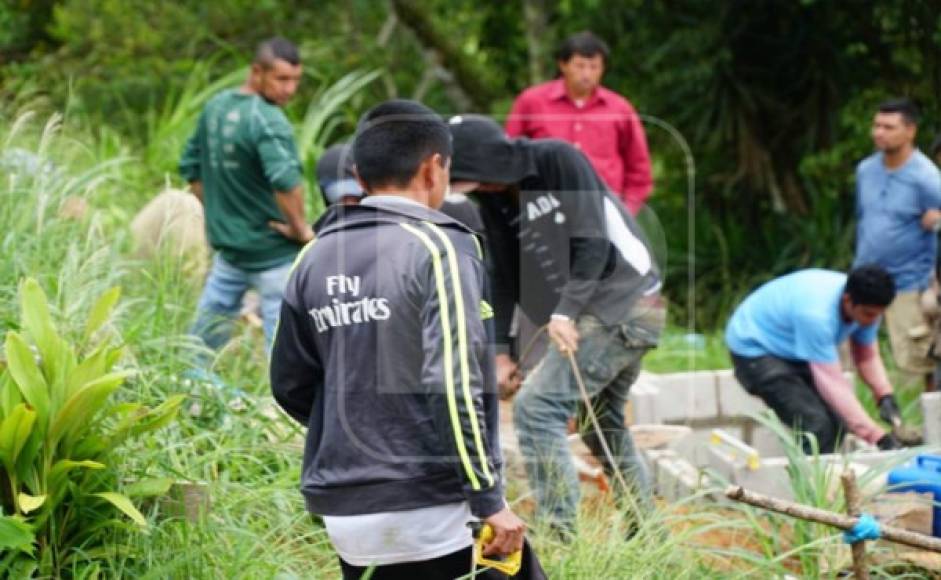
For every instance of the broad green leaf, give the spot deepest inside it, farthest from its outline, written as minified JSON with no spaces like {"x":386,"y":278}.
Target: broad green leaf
{"x":114,"y":355}
{"x":29,"y":503}
{"x":128,"y":414}
{"x":36,"y":318}
{"x":24,"y":567}
{"x":88,"y":446}
{"x":91,"y":367}
{"x":160,"y":416}
{"x":54,"y":352}
{"x":58,"y":475}
{"x":14,"y":432}
{"x":149,"y":487}
{"x":15,"y":534}
{"x":58,"y":369}
{"x":124,"y":504}
{"x":27,"y":377}
{"x":101,"y":311}
{"x":59,"y":484}
{"x":26,"y":464}
{"x":10,"y":396}
{"x":145,"y":420}
{"x":84,"y":404}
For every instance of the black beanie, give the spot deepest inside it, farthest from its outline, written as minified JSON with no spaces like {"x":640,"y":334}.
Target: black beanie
{"x":483,"y":152}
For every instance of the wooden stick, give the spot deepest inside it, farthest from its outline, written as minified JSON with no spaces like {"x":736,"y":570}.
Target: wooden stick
{"x":851,"y":493}
{"x":796,"y":510}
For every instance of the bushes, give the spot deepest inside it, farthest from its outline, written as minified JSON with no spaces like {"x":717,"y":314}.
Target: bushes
{"x":60,"y":435}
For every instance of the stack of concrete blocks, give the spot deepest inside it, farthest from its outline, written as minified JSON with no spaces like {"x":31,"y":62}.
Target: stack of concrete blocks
{"x":722,"y":443}
{"x":702,"y":401}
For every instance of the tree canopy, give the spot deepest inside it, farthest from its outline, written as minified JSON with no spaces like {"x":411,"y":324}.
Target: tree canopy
{"x":773,"y":99}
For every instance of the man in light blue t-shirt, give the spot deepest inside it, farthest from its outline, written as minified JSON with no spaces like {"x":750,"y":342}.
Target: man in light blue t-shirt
{"x":898,"y":196}
{"x":784,"y":339}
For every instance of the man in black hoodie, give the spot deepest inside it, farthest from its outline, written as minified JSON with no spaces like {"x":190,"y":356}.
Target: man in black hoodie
{"x":567,"y":253}
{"x":382,"y":353}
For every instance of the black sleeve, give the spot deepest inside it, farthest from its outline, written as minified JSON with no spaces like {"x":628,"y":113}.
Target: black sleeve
{"x":503,"y":265}
{"x":296,"y":371}
{"x":452,"y":373}
{"x":582,"y":193}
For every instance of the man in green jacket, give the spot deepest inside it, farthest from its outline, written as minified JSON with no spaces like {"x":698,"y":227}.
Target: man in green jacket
{"x":242,"y":163}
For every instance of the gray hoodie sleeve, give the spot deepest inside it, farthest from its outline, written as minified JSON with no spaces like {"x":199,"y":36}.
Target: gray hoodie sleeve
{"x":453,"y":338}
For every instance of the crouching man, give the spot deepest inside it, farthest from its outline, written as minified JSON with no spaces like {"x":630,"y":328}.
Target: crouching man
{"x":784,"y":339}
{"x":382,"y":353}
{"x":572,"y":258}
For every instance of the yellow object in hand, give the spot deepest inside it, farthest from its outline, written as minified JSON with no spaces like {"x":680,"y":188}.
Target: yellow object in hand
{"x":510,"y":565}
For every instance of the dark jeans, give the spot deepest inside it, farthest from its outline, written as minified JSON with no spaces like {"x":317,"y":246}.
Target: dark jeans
{"x":448,"y":567}
{"x":787,"y":387}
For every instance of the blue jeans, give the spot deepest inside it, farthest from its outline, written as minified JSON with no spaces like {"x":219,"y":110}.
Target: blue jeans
{"x":609,"y":360}
{"x":221,"y":300}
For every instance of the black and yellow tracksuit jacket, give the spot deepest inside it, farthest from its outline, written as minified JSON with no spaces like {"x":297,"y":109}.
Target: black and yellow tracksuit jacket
{"x":382,"y":352}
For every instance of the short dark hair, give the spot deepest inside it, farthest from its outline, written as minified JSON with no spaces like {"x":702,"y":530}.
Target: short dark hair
{"x":905,"y":107}
{"x":870,"y":285}
{"x":394,"y":138}
{"x":583,"y":44}
{"x":276,"y":48}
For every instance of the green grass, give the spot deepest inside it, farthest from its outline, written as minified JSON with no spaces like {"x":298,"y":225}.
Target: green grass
{"x":681,"y":351}
{"x":250,"y":460}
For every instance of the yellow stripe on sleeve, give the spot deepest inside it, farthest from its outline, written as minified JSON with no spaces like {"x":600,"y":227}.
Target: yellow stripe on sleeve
{"x":462,"y":347}
{"x":448,"y":355}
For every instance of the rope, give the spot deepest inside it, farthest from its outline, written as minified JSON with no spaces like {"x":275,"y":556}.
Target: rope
{"x":586,"y":399}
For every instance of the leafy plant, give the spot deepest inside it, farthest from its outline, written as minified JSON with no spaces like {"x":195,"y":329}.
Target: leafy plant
{"x":59,"y":434}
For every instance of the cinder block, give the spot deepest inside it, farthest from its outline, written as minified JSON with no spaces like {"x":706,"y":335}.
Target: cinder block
{"x":685,"y":396}
{"x":737,"y":431}
{"x":771,"y":479}
{"x":676,"y":478}
{"x":642,"y":402}
{"x":658,"y":436}
{"x":723,"y":465}
{"x":695,"y":447}
{"x":729,"y":456}
{"x":733,"y":400}
{"x":766,"y":442}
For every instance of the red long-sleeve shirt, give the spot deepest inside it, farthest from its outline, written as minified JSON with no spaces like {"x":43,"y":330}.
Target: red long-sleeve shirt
{"x":605,"y":127}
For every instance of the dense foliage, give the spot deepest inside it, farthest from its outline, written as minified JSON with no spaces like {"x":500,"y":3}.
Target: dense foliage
{"x":769,"y":103}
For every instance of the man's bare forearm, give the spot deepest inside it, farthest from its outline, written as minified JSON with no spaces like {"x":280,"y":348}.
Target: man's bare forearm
{"x":869,"y":364}
{"x":197,"y":188}
{"x":291,"y":204}
{"x":838,"y":393}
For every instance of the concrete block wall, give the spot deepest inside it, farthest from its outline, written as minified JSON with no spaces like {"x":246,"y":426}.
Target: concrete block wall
{"x":709,"y":400}
{"x":681,"y":398}
{"x":732,"y":399}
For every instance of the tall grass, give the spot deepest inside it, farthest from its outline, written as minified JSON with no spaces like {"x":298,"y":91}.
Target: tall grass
{"x":249,"y":460}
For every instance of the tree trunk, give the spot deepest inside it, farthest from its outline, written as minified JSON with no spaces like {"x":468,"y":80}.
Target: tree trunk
{"x":537,"y":33}
{"x":468,"y":75}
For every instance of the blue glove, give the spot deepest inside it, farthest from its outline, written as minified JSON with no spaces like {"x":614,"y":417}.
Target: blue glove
{"x":867,"y":528}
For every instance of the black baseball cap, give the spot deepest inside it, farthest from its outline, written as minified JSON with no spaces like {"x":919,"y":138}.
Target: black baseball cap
{"x":335,"y":174}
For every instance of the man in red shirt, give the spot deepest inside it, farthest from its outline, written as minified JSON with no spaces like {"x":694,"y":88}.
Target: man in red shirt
{"x":599,"y":122}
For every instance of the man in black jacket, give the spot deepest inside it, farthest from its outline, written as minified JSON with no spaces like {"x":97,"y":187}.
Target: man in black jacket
{"x":567,"y":253}
{"x":382,"y":353}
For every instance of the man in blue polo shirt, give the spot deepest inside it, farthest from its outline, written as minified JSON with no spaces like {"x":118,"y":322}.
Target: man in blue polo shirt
{"x":898,"y":196}
{"x":784,"y":338}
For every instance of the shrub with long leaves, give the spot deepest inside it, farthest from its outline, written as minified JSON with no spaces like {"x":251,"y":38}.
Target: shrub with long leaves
{"x":59,"y":435}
